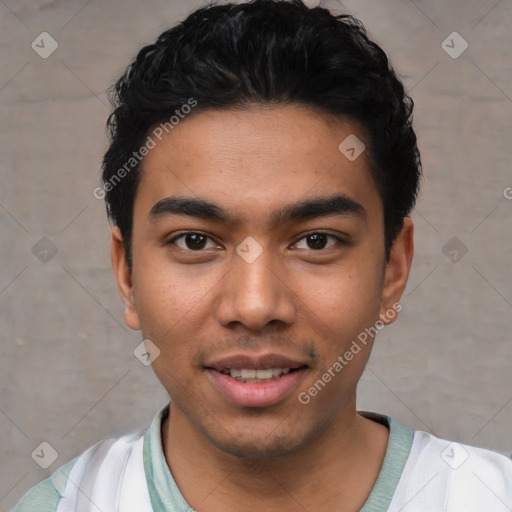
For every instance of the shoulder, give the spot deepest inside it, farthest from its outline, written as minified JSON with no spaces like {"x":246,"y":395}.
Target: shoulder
{"x":453,"y":455}
{"x":464,"y":462}
{"x":45,"y":496}
{"x":48,"y":495}
{"x":454,"y":475}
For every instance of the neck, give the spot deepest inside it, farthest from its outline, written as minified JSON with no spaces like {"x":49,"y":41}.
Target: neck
{"x":336,"y":470}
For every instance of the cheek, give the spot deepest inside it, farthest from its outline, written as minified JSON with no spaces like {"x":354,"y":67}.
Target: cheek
{"x":167,"y":294}
{"x":346,"y":298}
{"x":173,"y":303}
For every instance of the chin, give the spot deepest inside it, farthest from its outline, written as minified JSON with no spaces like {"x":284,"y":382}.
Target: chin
{"x":253,"y":445}
{"x":256,"y":450}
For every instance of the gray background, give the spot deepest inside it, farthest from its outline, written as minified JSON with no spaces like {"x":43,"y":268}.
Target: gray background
{"x":68,"y":375}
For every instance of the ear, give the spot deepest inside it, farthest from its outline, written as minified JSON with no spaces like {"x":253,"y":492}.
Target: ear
{"x":124,"y":279}
{"x":397,"y":272}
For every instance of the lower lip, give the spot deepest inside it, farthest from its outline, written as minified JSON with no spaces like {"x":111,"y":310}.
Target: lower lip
{"x":255,"y":394}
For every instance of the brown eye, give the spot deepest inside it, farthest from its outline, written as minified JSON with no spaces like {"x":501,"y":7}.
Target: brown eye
{"x":318,"y":241}
{"x":195,"y":241}
{"x":191,"y":241}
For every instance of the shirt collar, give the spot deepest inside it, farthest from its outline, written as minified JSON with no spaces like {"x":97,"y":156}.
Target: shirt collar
{"x":166,"y":497}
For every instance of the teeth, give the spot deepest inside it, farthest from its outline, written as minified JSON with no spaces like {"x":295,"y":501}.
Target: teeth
{"x":264,"y":374}
{"x":251,"y":375}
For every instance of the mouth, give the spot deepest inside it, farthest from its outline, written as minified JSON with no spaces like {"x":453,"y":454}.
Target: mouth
{"x":255,"y":381}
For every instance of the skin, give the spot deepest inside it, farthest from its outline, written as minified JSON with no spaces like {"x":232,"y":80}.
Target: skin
{"x":294,"y":299}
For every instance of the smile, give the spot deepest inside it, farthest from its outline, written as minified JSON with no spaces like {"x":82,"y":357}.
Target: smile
{"x":250,"y":375}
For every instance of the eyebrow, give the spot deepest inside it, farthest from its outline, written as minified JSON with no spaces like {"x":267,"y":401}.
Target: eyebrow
{"x":325,"y":206}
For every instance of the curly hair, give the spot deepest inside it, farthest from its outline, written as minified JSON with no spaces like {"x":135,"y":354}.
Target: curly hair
{"x":272,"y":52}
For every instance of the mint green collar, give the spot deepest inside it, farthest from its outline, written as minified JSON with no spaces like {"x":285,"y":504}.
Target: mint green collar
{"x":163,"y":491}
{"x":166,"y":497}
{"x":397,"y":452}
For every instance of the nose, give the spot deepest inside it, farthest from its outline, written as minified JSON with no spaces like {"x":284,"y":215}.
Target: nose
{"x":255,"y":294}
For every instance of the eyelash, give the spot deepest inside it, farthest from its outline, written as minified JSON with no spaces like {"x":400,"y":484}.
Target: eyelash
{"x":339,"y":240}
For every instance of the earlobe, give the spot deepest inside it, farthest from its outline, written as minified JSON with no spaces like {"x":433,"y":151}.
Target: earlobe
{"x":397,"y":272}
{"x":124,"y":279}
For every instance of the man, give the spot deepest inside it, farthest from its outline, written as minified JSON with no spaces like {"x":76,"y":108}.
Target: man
{"x":261,"y":172}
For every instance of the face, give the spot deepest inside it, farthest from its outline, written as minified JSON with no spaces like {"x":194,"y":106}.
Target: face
{"x":258,"y":259}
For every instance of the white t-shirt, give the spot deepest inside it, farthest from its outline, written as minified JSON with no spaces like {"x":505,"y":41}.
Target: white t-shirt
{"x":420,"y":473}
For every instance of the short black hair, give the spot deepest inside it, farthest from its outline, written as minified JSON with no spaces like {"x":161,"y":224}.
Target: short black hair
{"x":274,"y":52}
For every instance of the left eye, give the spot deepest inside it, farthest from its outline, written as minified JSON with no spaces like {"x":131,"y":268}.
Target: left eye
{"x":192,"y":241}
{"x":318,"y":241}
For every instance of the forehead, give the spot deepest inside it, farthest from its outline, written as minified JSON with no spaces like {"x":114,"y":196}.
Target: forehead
{"x":256,"y":160}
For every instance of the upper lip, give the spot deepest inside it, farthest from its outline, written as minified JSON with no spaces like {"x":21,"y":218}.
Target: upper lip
{"x":256,"y":362}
